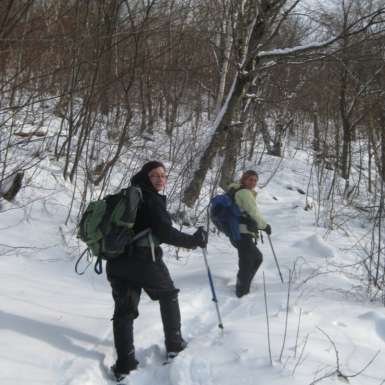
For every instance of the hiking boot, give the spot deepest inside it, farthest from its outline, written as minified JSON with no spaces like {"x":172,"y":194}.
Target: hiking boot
{"x":119,"y":374}
{"x":174,"y":348}
{"x":240,"y":291}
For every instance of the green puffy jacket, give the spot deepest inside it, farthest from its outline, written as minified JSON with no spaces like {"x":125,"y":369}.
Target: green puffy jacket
{"x":246,"y":201}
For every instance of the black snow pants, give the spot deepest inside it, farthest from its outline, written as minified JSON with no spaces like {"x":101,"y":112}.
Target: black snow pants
{"x":249,"y":260}
{"x":127,"y":284}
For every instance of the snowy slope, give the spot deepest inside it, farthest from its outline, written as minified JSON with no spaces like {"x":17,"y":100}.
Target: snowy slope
{"x":55,"y":326}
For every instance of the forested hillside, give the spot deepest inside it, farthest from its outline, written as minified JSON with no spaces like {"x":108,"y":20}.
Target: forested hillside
{"x":295,"y":89}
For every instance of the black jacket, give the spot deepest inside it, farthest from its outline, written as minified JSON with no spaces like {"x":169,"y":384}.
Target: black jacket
{"x":153,"y":214}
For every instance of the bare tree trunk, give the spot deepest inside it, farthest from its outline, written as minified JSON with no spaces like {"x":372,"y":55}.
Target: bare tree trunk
{"x":109,"y":11}
{"x":233,"y":144}
{"x":379,"y":274}
{"x":370,"y":150}
{"x":150,"y":109}
{"x":344,"y":160}
{"x":143,"y":120}
{"x":226,"y":43}
{"x":222,"y":124}
{"x":382,"y":203}
{"x":346,"y":142}
{"x":274,"y":144}
{"x":252,"y":20}
{"x":254,"y":133}
{"x":267,"y":139}
{"x":316,"y":134}
{"x":383,"y":146}
{"x":280,"y":131}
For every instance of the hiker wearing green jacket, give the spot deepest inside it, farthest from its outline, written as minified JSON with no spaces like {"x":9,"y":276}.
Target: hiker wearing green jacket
{"x":249,"y":256}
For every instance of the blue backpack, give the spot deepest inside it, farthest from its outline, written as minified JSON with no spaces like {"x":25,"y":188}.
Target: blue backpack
{"x":226,"y":215}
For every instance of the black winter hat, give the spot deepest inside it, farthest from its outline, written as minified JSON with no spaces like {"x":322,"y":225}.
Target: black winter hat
{"x":147,"y":167}
{"x":141,"y":178}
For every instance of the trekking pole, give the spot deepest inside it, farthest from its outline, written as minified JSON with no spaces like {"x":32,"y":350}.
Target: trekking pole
{"x":275,"y":257}
{"x":215,"y":299}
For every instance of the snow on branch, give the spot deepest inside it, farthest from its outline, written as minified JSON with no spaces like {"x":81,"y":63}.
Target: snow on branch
{"x":297,"y":49}
{"x":350,"y":30}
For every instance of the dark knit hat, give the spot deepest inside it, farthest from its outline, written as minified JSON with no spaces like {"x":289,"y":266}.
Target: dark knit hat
{"x":141,"y":178}
{"x":147,"y":167}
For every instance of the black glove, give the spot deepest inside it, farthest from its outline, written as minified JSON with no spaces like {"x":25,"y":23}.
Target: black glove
{"x":200,"y":238}
{"x":267,"y":229}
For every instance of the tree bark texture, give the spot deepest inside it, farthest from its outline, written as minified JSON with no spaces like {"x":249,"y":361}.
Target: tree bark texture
{"x":233,"y":143}
{"x":251,"y":27}
{"x":217,"y":140}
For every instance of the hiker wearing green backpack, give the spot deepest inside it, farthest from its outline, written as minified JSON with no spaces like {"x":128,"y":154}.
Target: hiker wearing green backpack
{"x":144,"y":269}
{"x":249,"y":256}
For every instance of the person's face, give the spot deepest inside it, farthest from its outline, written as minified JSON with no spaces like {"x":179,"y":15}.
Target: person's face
{"x":251,"y":182}
{"x":158,"y":178}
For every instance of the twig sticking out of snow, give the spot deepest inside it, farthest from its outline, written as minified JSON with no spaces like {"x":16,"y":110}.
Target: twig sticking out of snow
{"x":267,"y":319}
{"x":338,"y":371}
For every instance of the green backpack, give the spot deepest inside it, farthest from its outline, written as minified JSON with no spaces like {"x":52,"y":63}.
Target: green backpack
{"x":107,"y":224}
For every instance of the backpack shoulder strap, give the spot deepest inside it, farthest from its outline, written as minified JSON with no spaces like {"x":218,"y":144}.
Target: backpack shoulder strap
{"x":132,"y":189}
{"x":133,"y":193}
{"x":244,"y":214}
{"x":233,"y":191}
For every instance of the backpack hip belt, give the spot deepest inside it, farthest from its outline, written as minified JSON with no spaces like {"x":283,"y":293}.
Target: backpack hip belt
{"x":150,"y":241}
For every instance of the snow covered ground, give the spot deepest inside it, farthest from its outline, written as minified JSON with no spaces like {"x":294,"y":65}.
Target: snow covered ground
{"x":55,"y":326}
